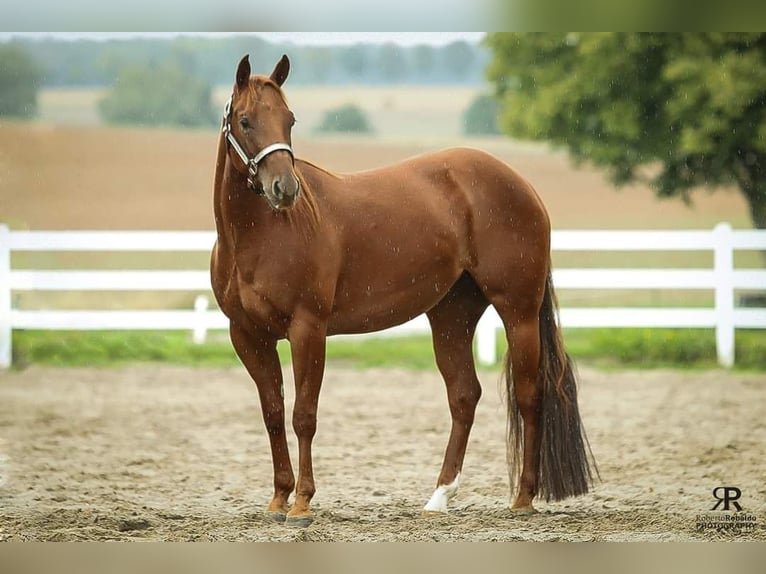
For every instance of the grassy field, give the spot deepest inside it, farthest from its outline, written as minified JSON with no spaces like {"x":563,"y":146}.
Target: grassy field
{"x":606,"y":348}
{"x":66,"y":171}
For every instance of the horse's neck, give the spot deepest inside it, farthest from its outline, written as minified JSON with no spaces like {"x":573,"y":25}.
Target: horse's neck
{"x":220,"y":160}
{"x":231,"y":198}
{"x":220,"y":166}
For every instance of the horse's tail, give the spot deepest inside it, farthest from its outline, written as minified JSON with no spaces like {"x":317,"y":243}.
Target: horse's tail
{"x":565,"y":457}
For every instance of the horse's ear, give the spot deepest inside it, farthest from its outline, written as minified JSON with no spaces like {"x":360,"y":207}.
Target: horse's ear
{"x":281,"y":70}
{"x":243,"y":72}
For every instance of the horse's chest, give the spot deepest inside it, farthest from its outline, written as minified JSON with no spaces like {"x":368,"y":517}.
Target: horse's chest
{"x":248,"y":297}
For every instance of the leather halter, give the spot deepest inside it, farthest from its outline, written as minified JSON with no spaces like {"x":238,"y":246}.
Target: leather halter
{"x":250,"y":162}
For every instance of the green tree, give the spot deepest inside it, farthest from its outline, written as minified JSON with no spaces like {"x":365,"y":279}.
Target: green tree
{"x":19,"y":80}
{"x":480,"y":118}
{"x":348,"y":118}
{"x":159,"y":96}
{"x":679,"y":111}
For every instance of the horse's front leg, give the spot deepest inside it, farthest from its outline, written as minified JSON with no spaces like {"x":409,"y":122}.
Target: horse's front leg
{"x":307,"y":336}
{"x":259,"y":355}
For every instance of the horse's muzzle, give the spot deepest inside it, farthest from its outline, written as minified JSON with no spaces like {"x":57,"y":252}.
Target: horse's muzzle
{"x":284,"y":192}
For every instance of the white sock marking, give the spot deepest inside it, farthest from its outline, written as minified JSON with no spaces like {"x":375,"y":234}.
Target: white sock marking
{"x":442,"y":496}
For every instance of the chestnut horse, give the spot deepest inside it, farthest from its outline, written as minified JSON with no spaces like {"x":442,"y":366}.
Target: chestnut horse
{"x":303,"y":253}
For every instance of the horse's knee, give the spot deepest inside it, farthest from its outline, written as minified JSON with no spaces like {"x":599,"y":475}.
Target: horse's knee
{"x":284,"y":480}
{"x":304,"y":422}
{"x":274,"y":420}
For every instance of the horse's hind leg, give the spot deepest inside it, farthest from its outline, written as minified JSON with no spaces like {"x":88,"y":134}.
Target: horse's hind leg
{"x":453,"y":322}
{"x":523,"y":333}
{"x":547,"y":447}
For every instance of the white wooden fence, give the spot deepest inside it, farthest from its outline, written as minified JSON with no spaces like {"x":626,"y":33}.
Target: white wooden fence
{"x":723,"y":279}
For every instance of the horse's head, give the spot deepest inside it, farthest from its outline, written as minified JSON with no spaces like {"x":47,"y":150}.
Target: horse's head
{"x":257,"y":125}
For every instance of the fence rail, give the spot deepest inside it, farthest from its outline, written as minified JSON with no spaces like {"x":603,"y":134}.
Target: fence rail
{"x":723,"y":279}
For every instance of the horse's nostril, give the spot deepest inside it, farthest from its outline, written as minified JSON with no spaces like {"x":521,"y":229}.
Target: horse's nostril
{"x":285,"y":189}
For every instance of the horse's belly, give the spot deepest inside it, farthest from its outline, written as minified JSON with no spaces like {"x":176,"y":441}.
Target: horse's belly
{"x":391,"y":302}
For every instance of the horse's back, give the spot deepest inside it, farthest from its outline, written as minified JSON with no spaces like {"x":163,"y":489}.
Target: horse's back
{"x":487,"y":183}
{"x":483,"y":179}
{"x":462,"y":191}
{"x":499,"y":201}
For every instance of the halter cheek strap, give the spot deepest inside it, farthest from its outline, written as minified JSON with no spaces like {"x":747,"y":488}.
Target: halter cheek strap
{"x":250,"y":162}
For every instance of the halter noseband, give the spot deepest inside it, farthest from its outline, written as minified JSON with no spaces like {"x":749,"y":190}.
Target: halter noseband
{"x":251,"y":163}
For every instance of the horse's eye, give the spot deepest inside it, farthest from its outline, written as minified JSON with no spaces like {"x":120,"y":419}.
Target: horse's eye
{"x":244,"y":123}
{"x":292,"y":120}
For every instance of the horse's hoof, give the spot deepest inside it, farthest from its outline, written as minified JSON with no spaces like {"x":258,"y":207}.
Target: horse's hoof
{"x":277,"y":515}
{"x":528,"y":510}
{"x":300,"y":520}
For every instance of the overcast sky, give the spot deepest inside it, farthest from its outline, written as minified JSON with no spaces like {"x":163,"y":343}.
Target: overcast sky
{"x":314,"y":38}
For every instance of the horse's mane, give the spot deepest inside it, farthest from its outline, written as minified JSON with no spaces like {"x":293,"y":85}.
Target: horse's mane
{"x":305,"y":211}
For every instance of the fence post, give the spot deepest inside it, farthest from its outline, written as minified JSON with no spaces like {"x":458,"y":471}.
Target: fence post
{"x":5,"y":297}
{"x":200,"y":330}
{"x":486,"y":351}
{"x":723,"y":266}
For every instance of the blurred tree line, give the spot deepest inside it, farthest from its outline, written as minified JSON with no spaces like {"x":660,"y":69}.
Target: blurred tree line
{"x":19,"y":80}
{"x":161,"y":95}
{"x":169,"y":81}
{"x":100,"y":62}
{"x":676,"y":110}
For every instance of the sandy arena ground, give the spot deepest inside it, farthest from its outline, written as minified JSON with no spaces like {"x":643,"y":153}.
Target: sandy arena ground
{"x":171,"y":453}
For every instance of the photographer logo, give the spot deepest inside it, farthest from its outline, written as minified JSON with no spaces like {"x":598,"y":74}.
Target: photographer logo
{"x":727,"y":514}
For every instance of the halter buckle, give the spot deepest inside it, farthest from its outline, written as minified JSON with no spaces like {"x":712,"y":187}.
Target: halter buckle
{"x":226,"y":119}
{"x":252,"y":171}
